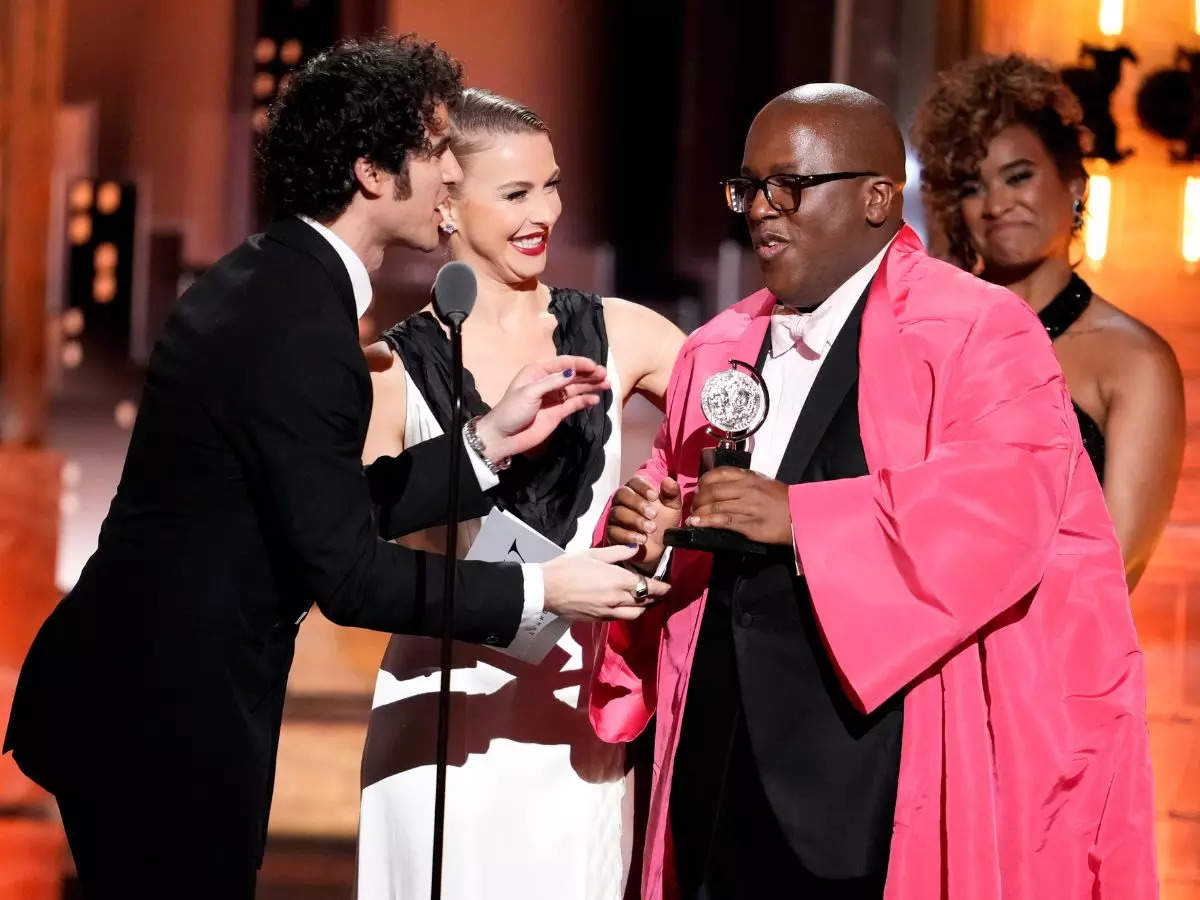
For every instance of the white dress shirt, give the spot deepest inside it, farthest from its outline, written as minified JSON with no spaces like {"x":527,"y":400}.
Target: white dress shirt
{"x":360,"y":283}
{"x":799,"y":344}
{"x":360,"y":278}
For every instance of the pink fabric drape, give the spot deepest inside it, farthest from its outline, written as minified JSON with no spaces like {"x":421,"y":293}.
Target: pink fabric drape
{"x":975,"y":568}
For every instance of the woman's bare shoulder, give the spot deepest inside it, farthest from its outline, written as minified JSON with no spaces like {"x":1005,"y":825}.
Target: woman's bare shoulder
{"x":1123,"y":333}
{"x":1128,"y":349}
{"x":633,"y":322}
{"x":380,"y":357}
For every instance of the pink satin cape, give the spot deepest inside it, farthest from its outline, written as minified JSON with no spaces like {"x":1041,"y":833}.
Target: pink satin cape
{"x":975,"y":568}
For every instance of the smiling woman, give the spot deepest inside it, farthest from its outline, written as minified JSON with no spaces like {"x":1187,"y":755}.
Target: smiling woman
{"x":1002,"y":144}
{"x":535,"y":802}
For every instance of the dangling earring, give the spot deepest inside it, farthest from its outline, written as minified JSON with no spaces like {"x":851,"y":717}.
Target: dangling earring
{"x":1077,"y":219}
{"x":449,"y":227}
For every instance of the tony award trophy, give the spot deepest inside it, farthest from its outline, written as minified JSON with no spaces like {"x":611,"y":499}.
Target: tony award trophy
{"x":735,"y":402}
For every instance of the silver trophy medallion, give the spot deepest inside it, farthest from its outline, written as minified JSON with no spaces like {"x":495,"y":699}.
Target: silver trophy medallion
{"x":735,"y":403}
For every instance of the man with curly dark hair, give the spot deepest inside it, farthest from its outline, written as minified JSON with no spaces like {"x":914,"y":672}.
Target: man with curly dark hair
{"x":1002,"y":143}
{"x":150,"y":703}
{"x":380,"y":102}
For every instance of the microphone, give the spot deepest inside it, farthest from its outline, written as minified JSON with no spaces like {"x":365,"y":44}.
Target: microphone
{"x":454,"y":292}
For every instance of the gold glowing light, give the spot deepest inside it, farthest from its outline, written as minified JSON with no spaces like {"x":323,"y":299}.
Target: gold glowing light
{"x":1112,"y":17}
{"x":79,"y":229}
{"x":105,"y":256}
{"x":72,"y":322}
{"x":1095,"y":231}
{"x":1191,"y":220}
{"x":291,"y":51}
{"x":72,"y":354}
{"x":81,"y":194}
{"x":125,"y":414}
{"x":108,"y":197}
{"x":104,"y":287}
{"x":264,"y":51}
{"x":264,"y":84}
{"x":259,"y":119}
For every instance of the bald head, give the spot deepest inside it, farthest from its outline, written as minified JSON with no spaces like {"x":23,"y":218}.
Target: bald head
{"x":859,"y":130}
{"x":828,"y":160}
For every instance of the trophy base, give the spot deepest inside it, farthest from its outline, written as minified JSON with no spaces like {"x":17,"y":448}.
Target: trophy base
{"x":713,"y":540}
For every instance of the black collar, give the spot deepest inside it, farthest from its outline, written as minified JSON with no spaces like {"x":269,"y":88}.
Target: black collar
{"x":303,"y":237}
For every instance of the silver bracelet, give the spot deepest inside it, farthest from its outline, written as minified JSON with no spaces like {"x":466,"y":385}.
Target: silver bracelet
{"x":476,"y":444}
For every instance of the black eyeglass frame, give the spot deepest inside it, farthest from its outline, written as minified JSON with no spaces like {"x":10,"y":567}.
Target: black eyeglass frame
{"x":784,"y":180}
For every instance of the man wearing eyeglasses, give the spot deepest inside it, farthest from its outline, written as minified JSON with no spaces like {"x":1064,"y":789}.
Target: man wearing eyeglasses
{"x":931,"y":685}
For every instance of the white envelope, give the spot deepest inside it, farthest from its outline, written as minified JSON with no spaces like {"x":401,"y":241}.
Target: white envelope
{"x":505,"y":538}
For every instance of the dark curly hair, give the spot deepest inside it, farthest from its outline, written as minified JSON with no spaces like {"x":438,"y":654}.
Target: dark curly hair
{"x":371,"y":99}
{"x":968,"y":106}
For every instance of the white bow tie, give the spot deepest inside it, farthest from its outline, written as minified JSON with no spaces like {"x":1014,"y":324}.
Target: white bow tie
{"x":798,"y":330}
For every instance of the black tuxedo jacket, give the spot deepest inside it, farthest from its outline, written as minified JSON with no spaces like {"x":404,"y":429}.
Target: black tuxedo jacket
{"x":829,"y":773}
{"x":242,"y":502}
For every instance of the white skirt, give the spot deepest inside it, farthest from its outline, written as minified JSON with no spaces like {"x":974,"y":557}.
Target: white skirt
{"x":536,"y":804}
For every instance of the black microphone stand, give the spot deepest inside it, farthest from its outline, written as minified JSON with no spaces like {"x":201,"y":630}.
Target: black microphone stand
{"x":454,"y":321}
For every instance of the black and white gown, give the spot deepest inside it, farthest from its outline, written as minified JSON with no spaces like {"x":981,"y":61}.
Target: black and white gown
{"x":536,"y":805}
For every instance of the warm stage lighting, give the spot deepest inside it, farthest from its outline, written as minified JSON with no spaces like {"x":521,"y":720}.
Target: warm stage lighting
{"x":82,"y":193}
{"x":104,"y":287}
{"x":1191,"y":220}
{"x":1112,"y":17}
{"x":105,"y":256}
{"x":1095,"y":230}
{"x":125,"y":414}
{"x":72,"y":354}
{"x":291,"y":51}
{"x":72,"y":322}
{"x":264,"y":51}
{"x":79,"y":229}
{"x":264,"y":84}
{"x":259,"y":119}
{"x":108,"y":198}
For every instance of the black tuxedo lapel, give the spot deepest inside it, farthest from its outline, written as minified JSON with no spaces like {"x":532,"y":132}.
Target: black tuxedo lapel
{"x":838,"y":374}
{"x":303,"y":237}
{"x":775,"y":727}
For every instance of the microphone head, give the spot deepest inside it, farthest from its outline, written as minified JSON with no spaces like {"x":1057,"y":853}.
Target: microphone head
{"x":454,"y":292}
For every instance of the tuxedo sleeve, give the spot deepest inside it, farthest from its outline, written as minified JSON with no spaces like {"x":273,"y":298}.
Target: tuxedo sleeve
{"x":906,"y":563}
{"x":299,"y":418}
{"x":410,"y":491}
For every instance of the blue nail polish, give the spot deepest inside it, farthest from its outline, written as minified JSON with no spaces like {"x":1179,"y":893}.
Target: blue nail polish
{"x":631,"y":546}
{"x":567,"y":373}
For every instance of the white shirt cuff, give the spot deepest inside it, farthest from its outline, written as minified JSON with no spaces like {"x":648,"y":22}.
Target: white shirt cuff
{"x":664,"y":564}
{"x":535,"y":594}
{"x":796,"y":553}
{"x":486,"y":477}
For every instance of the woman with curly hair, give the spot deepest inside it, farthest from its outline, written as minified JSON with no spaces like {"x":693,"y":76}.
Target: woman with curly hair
{"x":1001,"y":144}
{"x":535,"y":801}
